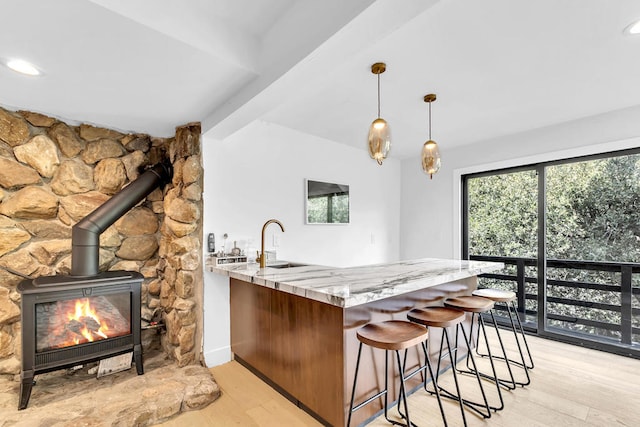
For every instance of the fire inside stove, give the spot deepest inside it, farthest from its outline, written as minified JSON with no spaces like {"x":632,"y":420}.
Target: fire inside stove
{"x":77,"y":321}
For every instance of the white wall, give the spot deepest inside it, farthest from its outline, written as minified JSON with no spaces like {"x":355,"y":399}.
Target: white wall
{"x":259,"y":173}
{"x":396,"y":211}
{"x":430,"y":210}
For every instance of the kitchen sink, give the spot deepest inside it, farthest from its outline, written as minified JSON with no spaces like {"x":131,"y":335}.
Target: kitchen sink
{"x":286,"y":264}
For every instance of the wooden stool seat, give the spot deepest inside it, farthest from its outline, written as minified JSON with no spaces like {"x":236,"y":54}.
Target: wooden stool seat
{"x":470,"y":304}
{"x":496,"y":295}
{"x":392,"y":334}
{"x":439,"y":317}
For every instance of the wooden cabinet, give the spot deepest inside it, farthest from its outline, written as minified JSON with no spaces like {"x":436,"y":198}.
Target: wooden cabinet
{"x":251,"y":324}
{"x":308,"y":349}
{"x":294,"y":342}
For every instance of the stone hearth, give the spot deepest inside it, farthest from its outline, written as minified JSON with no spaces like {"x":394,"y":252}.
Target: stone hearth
{"x":52,"y":174}
{"x":75,"y":398}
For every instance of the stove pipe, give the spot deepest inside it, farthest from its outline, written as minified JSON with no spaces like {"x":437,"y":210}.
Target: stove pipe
{"x":85,"y":237}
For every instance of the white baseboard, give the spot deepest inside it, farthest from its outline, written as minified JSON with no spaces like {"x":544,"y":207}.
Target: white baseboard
{"x":217,"y":357}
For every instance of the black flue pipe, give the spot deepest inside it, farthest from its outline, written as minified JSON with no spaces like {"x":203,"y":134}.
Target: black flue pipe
{"x":85,"y":235}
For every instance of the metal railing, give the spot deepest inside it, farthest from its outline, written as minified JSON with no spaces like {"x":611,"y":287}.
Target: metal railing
{"x":608,"y":316}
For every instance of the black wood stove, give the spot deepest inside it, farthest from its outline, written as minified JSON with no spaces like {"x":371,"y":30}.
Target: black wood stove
{"x":88,"y":315}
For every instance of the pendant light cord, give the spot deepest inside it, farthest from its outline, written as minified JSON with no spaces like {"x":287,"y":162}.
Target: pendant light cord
{"x":429,"y":120}
{"x":378,"y":95}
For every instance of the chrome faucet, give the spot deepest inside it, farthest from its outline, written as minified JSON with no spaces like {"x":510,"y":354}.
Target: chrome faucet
{"x":262,"y":259}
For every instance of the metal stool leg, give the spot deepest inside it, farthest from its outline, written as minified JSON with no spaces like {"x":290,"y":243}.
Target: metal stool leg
{"x":524,"y":336}
{"x":353,"y":390}
{"x":384,"y":392}
{"x":509,"y":299}
{"x":402,"y":398}
{"x":474,"y":370}
{"x":509,"y":384}
{"x":523,"y":365}
{"x":474,"y":406}
{"x":512,"y":383}
{"x":435,"y":383}
{"x":425,"y":377}
{"x":403,"y":395}
{"x":452,"y":360}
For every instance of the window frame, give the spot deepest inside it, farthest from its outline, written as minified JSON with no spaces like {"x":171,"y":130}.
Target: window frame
{"x":541,"y":169}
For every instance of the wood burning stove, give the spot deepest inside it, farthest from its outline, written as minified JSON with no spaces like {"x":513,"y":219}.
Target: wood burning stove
{"x":68,"y":321}
{"x":86,"y":316}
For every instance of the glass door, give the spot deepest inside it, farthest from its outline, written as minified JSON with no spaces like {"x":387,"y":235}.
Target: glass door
{"x":502,"y":225}
{"x":70,"y":322}
{"x":568,"y":233}
{"x":592,"y":244}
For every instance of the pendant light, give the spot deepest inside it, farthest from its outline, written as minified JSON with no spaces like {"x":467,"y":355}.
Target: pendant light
{"x":379,"y":135}
{"x":430,"y":153}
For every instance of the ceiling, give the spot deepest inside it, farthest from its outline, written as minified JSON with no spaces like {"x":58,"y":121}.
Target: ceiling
{"x":498,"y":66}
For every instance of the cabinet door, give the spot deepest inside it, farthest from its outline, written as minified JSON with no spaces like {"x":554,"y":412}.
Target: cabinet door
{"x":320,"y":377}
{"x":306,"y":348}
{"x":251,"y":324}
{"x":286,"y":348}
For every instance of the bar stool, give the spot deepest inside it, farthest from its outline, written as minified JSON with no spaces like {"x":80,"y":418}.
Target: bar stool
{"x":477,"y":305}
{"x":509,"y":297}
{"x":393,"y":335}
{"x":445,"y":317}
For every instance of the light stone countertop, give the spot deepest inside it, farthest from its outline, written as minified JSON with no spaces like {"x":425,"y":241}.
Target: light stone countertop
{"x":352,"y":286}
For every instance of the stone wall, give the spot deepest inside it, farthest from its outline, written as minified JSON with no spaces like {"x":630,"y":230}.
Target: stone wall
{"x":53,"y":174}
{"x":179,"y":288}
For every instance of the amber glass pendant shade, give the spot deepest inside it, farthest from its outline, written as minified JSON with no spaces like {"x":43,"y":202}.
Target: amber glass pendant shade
{"x":430,"y":153}
{"x":430,"y":158}
{"x":379,"y":140}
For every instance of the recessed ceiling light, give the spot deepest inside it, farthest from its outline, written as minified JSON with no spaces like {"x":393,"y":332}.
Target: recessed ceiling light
{"x":633,"y":29}
{"x":23,"y":67}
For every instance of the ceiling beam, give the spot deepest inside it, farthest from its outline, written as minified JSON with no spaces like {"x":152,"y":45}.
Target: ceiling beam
{"x":194,"y":26}
{"x":290,"y":64}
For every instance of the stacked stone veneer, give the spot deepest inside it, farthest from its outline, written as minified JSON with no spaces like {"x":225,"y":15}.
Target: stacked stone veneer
{"x":53,"y":174}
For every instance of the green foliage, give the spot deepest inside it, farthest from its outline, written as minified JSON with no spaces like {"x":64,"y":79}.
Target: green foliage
{"x":503,"y":217}
{"x":328,"y":209}
{"x":594,"y":210}
{"x":592,"y":213}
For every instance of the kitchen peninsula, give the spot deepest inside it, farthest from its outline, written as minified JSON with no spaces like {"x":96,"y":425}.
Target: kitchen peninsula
{"x":296,"y":326}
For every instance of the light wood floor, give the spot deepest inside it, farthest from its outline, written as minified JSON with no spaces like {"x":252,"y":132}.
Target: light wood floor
{"x":570,"y":386}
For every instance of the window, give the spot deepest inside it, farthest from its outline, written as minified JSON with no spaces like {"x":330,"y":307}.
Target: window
{"x":327,"y":203}
{"x":569,"y":235}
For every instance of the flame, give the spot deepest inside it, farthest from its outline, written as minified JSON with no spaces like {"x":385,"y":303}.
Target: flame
{"x":71,"y":322}
{"x":83,"y":309}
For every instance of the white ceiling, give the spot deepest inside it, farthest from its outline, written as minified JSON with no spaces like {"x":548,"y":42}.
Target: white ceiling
{"x":498,"y":66}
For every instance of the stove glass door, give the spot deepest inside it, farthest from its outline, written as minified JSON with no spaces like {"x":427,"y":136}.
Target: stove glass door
{"x":70,"y":322}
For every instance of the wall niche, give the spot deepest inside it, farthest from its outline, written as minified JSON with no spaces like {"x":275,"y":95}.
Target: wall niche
{"x":52,"y":174}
